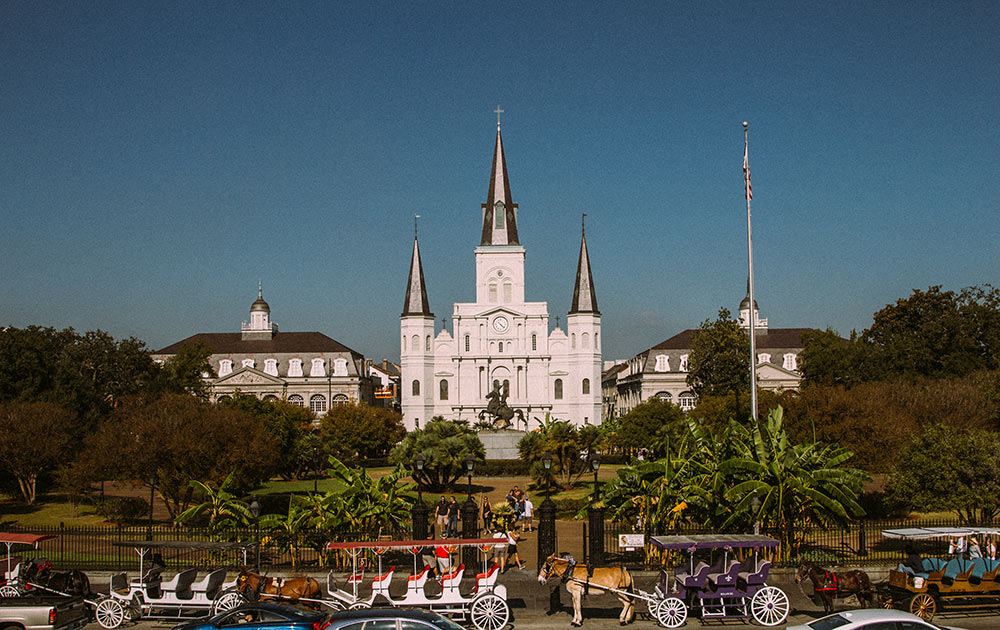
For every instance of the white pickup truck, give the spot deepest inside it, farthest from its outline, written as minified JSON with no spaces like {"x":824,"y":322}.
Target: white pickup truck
{"x":43,"y":612}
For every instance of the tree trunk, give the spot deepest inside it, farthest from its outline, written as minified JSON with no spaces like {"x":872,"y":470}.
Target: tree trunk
{"x":26,"y":482}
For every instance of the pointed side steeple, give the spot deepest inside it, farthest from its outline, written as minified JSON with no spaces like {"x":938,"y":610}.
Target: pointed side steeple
{"x":416,"y":302}
{"x":584,"y":297}
{"x":499,"y":211}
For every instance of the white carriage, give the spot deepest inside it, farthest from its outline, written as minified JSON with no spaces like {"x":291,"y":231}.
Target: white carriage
{"x":482,"y":601}
{"x":187,"y":594}
{"x":11,"y":582}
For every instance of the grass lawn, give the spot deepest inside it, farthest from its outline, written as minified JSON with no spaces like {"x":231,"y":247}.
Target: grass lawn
{"x":48,"y":511}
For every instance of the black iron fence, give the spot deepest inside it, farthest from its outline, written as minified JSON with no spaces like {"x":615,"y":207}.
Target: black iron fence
{"x":94,"y":547}
{"x":861,"y":543}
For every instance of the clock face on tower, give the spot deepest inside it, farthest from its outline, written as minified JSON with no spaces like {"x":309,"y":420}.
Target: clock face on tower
{"x":500,"y":324}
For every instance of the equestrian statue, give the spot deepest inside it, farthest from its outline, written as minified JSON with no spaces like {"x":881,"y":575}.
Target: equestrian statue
{"x":497,"y":413}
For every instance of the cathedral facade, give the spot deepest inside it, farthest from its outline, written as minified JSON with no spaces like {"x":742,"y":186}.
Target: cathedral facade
{"x":501,"y":346}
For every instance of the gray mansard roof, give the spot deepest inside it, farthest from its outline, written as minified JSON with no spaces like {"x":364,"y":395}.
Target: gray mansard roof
{"x":772,"y":339}
{"x":280,"y":343}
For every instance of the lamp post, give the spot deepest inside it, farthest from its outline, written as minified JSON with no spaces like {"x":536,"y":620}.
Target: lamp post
{"x":755,"y":508}
{"x":255,"y":512}
{"x":419,"y":512}
{"x":149,"y":526}
{"x":315,"y":458}
{"x":596,"y":514}
{"x":546,"y":517}
{"x":469,"y":515}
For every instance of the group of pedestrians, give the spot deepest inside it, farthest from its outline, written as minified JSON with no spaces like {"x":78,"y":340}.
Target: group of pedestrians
{"x":523,"y":508}
{"x":446,"y":514}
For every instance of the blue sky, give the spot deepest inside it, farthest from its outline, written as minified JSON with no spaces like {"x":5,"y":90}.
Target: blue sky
{"x":160,"y":158}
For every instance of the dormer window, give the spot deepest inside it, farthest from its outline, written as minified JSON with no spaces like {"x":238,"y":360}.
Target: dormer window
{"x":295,"y":367}
{"x":684,"y":363}
{"x":340,"y":367}
{"x":225,"y":367}
{"x":499,"y":216}
{"x":317,"y":369}
{"x":791,"y":362}
{"x":271,"y":367}
{"x":763,"y":358}
{"x":662,"y":363}
{"x":247,"y":363}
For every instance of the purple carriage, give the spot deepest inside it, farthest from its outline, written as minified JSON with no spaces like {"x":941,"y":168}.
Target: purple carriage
{"x":726,"y":588}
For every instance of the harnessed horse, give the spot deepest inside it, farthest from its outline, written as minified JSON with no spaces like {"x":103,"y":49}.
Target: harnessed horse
{"x":579,"y":582}
{"x":72,"y":582}
{"x":828,"y":585}
{"x":252,"y":585}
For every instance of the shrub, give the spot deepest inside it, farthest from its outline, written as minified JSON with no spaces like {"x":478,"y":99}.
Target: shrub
{"x":123,"y":509}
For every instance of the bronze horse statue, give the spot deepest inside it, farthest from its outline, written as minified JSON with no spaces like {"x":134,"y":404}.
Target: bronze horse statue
{"x":72,"y":582}
{"x":253,"y":585}
{"x":828,"y":585}
{"x":498,"y":411}
{"x":579,"y":582}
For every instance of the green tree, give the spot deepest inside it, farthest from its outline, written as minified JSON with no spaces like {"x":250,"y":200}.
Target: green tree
{"x":719,"y":363}
{"x":34,"y":438}
{"x":221,"y":507}
{"x":445,"y":445}
{"x":566,"y":443}
{"x":654,"y":424}
{"x":953,"y":469}
{"x":829,"y":359}
{"x":352,"y":430}
{"x":651,"y":496}
{"x":373,"y":506}
{"x":287,"y":424}
{"x":182,"y":373}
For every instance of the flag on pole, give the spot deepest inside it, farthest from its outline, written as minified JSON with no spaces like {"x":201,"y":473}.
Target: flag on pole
{"x":746,"y":169}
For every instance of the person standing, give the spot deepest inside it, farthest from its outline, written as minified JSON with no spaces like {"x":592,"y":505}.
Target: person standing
{"x":443,"y":559}
{"x":512,"y":556}
{"x":529,"y":511}
{"x":453,"y":518}
{"x":487,"y":513}
{"x":441,"y":514}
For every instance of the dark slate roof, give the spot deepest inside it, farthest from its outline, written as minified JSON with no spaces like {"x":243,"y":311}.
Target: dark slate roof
{"x":415,"y":301}
{"x":584,"y":296}
{"x":499,"y":169}
{"x":280,"y":343}
{"x":773,"y":338}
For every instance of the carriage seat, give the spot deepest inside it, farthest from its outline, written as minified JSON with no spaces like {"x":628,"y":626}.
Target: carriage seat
{"x":485,"y":581}
{"x":984,"y":570}
{"x":933,"y":567}
{"x":15,"y":564}
{"x":380,"y":583}
{"x":209,"y":586}
{"x":359,"y":577}
{"x":179,"y":586}
{"x":416,"y":581}
{"x":756,"y":578}
{"x":693,"y":580}
{"x":119,"y":583}
{"x":957,"y":570}
{"x":453,"y":579}
{"x":727,"y":579}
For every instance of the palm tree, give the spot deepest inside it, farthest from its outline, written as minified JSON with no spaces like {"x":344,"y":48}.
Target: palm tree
{"x":372,"y":505}
{"x":223,"y":509}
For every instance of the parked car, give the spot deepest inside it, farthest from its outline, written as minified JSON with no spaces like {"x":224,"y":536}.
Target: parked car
{"x":43,"y":612}
{"x":390,"y":619}
{"x":871,"y":619}
{"x":262,"y":616}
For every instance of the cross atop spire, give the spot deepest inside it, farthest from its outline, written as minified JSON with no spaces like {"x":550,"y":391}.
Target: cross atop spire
{"x":499,"y":211}
{"x":498,"y":111}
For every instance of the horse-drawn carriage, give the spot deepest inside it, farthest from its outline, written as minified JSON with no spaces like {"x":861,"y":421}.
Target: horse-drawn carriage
{"x":184,"y":595}
{"x":957,"y":581}
{"x":725,"y":587}
{"x":22,"y":576}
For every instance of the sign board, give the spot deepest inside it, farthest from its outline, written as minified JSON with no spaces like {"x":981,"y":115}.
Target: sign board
{"x":630,"y":542}
{"x":383,"y":392}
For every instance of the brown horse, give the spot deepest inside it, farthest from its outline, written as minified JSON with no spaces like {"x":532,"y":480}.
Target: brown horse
{"x":253,"y":586}
{"x":579,"y":583}
{"x":829,"y":585}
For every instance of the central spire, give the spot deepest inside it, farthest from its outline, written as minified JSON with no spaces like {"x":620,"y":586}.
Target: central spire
{"x":499,"y":211}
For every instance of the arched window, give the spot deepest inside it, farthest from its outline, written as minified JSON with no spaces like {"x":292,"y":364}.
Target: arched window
{"x":224,"y":398}
{"x":572,"y":340}
{"x":247,"y":363}
{"x":296,"y":400}
{"x":662,"y":363}
{"x":684,"y":363}
{"x":318,"y":369}
{"x":317,"y":403}
{"x":585,"y":339}
{"x":501,"y":346}
{"x":586,"y":386}
{"x":597,"y":341}
{"x":506,"y":387}
{"x":271,"y":397}
{"x":271,"y":367}
{"x":664,"y":396}
{"x":508,"y":292}
{"x":427,"y":343}
{"x":340,"y":399}
{"x":404,"y":343}
{"x":225,"y":367}
{"x":791,"y":361}
{"x":415,"y":343}
{"x":295,"y":367}
{"x":466,"y":343}
{"x":444,"y":389}
{"x":492,"y":297}
{"x":340,"y":367}
{"x":534,"y":341}
{"x":499,"y":216}
{"x":686,"y":401}
{"x":558,"y":389}
{"x":415,"y":388}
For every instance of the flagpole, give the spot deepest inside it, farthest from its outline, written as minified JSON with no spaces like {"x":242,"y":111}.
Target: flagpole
{"x":753,"y":314}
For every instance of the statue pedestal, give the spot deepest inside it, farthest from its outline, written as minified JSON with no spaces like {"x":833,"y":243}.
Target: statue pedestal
{"x":501,"y":444}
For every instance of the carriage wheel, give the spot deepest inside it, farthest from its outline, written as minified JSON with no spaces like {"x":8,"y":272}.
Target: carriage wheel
{"x":769,"y":606}
{"x":227,"y":600}
{"x":359,"y":606}
{"x":110,"y":613}
{"x":923,"y":606}
{"x":9,"y":590}
{"x":489,"y":612}
{"x":671,"y":612}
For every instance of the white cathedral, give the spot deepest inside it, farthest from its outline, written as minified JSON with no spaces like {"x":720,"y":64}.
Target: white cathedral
{"x":501,"y":342}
